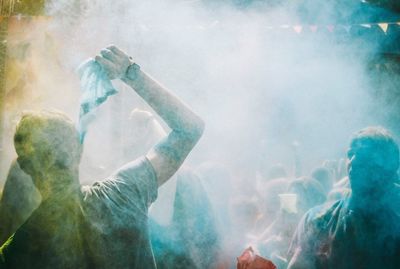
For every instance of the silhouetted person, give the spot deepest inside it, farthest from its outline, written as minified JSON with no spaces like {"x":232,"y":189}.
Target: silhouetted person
{"x":275,"y":240}
{"x":268,"y":190}
{"x":104,"y":225}
{"x":20,"y":197}
{"x":191,"y":240}
{"x":324,"y":177}
{"x":309,"y":193}
{"x":363,"y":229}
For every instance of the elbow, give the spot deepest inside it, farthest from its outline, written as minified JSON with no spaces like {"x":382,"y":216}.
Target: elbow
{"x":195,"y":131}
{"x":198,"y":130}
{"x":191,"y":132}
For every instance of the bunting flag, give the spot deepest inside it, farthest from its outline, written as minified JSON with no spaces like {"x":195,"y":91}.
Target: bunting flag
{"x":330,"y":28}
{"x":366,"y":25}
{"x":313,"y":28}
{"x":383,"y":26}
{"x":298,"y":28}
{"x":347,"y":28}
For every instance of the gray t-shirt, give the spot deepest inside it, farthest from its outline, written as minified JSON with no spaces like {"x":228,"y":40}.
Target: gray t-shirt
{"x":115,"y":211}
{"x":104,"y":226}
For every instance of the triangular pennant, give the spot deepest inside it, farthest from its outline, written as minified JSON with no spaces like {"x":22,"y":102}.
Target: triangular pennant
{"x":313,"y":28}
{"x":347,"y":28}
{"x":298,"y":28}
{"x":383,"y":26}
{"x":330,"y":28}
{"x":366,"y":25}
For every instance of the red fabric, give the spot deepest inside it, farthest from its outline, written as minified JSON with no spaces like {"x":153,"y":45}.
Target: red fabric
{"x":249,"y":260}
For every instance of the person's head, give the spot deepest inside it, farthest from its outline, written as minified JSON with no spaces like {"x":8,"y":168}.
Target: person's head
{"x":324,"y":177}
{"x":309,"y":193}
{"x":46,"y":141}
{"x":270,"y":197}
{"x":276,"y":171}
{"x":373,"y":161}
{"x":142,"y":132}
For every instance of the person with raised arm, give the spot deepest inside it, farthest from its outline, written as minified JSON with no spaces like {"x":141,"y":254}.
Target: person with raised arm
{"x":103,"y":225}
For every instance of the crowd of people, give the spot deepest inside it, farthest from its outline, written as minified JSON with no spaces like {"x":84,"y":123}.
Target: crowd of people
{"x":342,"y":214}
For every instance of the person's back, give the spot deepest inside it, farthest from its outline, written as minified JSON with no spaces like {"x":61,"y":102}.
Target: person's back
{"x":18,"y":200}
{"x":99,"y":226}
{"x":52,"y":237}
{"x":48,"y":150}
{"x":115,"y":211}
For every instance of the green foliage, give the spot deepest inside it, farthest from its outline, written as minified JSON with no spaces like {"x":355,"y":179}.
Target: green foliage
{"x":30,"y":7}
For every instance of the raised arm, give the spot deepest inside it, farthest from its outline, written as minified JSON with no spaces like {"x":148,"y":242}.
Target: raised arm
{"x":168,"y":155}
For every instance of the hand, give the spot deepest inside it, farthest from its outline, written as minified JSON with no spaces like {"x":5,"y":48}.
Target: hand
{"x":114,"y":61}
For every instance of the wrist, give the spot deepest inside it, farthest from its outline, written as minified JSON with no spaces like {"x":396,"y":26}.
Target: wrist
{"x":132,"y":71}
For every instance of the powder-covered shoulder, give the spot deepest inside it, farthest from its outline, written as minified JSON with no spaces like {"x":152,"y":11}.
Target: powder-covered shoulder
{"x":323,"y":215}
{"x":135,"y":181}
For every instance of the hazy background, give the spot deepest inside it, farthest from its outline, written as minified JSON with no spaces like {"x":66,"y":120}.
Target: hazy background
{"x":257,"y":83}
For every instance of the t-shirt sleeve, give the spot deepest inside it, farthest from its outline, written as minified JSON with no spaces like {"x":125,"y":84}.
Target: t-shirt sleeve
{"x":133,"y":186}
{"x":139,"y":176}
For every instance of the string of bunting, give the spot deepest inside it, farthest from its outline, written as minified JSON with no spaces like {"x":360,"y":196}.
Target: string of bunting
{"x":331,"y":28}
{"x":297,"y":28}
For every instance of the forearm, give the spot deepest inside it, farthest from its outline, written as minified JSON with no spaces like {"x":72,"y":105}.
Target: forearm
{"x":167,"y":155}
{"x":178,"y":116}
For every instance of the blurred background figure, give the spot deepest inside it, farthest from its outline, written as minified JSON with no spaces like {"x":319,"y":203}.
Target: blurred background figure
{"x":141,"y":131}
{"x":324,"y":177}
{"x":191,"y":240}
{"x":268,"y":190}
{"x":302,"y":194}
